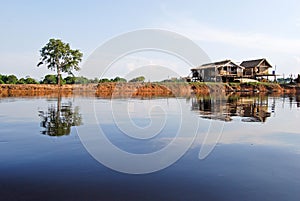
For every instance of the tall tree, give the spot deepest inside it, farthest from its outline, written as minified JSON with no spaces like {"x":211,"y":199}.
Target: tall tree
{"x":58,"y":56}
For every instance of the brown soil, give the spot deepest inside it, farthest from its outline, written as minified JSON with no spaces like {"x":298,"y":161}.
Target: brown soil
{"x":108,"y":90}
{"x":142,"y":90}
{"x":17,"y":90}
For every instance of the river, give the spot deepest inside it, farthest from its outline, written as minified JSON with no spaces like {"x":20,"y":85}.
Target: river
{"x":234,"y":147}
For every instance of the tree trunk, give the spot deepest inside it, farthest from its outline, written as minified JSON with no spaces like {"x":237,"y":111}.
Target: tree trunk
{"x":58,"y":76}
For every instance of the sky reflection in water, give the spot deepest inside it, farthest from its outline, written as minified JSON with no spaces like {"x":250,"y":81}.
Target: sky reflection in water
{"x":257,"y":157}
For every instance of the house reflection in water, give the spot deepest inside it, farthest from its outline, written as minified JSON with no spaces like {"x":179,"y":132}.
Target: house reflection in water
{"x":249,"y":108}
{"x":293,"y":99}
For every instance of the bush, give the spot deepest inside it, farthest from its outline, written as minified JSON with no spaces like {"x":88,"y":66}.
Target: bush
{"x":3,"y":78}
{"x":118,"y":79}
{"x":104,"y":80}
{"x":70,"y":80}
{"x":138,"y":79}
{"x":30,"y":80}
{"x":21,"y":81}
{"x":81,"y":80}
{"x":50,"y":79}
{"x":12,"y":79}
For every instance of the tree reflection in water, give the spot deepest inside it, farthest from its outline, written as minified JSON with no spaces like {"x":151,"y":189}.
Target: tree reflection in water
{"x":58,"y":120}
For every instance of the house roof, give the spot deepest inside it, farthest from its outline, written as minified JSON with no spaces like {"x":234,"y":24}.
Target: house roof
{"x":218,"y":64}
{"x":254,"y":63}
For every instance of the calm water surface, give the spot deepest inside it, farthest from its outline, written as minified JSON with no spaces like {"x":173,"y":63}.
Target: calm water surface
{"x":257,"y":156}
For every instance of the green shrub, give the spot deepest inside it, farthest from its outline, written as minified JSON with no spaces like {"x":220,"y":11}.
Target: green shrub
{"x":50,"y":79}
{"x":104,"y":80}
{"x":12,"y":79}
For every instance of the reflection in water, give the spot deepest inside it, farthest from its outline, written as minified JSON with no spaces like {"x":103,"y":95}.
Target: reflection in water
{"x":252,"y":161}
{"x":58,"y":120}
{"x":292,"y":99}
{"x":250,"y":108}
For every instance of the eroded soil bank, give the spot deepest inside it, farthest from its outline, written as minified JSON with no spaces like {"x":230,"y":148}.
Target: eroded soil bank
{"x":141,"y":89}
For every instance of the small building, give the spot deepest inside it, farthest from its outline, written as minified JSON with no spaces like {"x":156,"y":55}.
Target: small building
{"x":257,"y":69}
{"x":224,"y":71}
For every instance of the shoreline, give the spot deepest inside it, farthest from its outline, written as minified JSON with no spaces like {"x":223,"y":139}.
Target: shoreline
{"x":168,"y":89}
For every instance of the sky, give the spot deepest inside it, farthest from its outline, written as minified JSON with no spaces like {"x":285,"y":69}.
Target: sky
{"x":237,"y":30}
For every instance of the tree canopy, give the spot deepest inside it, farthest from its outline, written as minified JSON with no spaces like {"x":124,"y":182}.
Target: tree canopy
{"x":58,"y":56}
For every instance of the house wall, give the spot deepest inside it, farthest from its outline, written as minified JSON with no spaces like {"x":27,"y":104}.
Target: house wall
{"x":263,"y":68}
{"x":208,"y":74}
{"x":248,"y":71}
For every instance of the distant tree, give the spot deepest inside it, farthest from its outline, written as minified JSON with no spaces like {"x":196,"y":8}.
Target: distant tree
{"x":3,"y":79}
{"x":49,"y":79}
{"x":138,"y":79}
{"x":119,"y":79}
{"x":70,"y":80}
{"x":30,"y":80}
{"x":12,"y":79}
{"x":22,"y":81}
{"x":81,"y":80}
{"x":27,"y":80}
{"x":104,"y":80}
{"x":58,"y":56}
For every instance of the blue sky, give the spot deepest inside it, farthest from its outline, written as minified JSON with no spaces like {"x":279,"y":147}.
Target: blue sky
{"x":223,"y":29}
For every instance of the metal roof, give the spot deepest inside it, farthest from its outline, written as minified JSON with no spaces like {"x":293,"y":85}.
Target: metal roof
{"x":254,"y":63}
{"x":218,"y":64}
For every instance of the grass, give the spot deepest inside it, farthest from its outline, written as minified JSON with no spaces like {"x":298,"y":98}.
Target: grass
{"x":267,"y":84}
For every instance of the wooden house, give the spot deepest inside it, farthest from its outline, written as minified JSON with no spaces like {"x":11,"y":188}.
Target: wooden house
{"x":224,"y":71}
{"x":257,"y":69}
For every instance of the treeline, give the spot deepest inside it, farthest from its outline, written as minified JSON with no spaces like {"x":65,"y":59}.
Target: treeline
{"x":12,"y":79}
{"x":52,"y":79}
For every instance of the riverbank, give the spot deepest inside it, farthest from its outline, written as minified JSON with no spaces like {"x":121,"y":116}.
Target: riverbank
{"x":142,"y":89}
{"x":18,"y":90}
